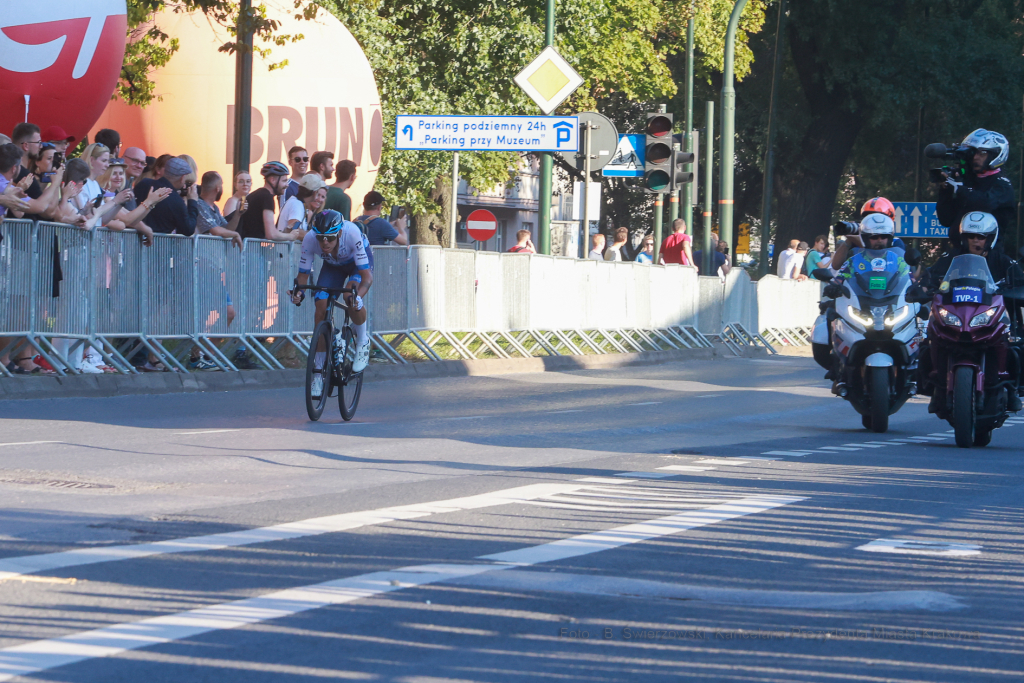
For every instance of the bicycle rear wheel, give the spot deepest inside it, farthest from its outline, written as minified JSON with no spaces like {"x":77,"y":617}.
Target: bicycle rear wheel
{"x":318,"y":371}
{"x":351,"y":383}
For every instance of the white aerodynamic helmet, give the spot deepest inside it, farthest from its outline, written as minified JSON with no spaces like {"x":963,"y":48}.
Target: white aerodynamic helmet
{"x":980,"y":223}
{"x":877,"y":224}
{"x":989,"y":141}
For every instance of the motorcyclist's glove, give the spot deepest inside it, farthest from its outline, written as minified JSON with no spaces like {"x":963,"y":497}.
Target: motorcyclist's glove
{"x":834,"y":290}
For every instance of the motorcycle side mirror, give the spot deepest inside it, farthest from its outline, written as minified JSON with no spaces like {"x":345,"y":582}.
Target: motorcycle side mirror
{"x":912,"y":257}
{"x":823,"y":274}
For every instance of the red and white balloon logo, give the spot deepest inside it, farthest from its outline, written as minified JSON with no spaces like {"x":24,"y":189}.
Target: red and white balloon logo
{"x":64,"y":56}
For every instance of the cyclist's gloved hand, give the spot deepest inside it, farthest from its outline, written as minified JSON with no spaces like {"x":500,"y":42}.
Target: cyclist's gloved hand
{"x":359,"y":302}
{"x":297,"y":297}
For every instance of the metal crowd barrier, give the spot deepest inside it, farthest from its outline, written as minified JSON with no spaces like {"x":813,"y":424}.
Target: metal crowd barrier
{"x":787,"y":309}
{"x":62,"y":288}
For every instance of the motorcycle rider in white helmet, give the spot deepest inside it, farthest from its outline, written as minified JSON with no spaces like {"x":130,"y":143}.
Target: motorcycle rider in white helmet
{"x":979,"y":233}
{"x":982,"y":188}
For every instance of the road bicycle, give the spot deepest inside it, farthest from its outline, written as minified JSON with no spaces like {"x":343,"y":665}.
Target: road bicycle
{"x":320,"y":365}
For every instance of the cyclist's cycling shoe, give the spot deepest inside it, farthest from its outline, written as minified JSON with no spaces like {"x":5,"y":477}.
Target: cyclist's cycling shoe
{"x":362,"y":357}
{"x":316,"y":388}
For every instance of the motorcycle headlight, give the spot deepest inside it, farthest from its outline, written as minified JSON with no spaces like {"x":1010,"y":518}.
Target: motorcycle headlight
{"x":983,"y":319}
{"x":898,"y":315}
{"x":948,"y":318}
{"x":865,"y":321}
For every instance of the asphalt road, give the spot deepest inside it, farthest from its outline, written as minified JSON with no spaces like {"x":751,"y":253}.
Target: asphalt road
{"x":706,"y":521}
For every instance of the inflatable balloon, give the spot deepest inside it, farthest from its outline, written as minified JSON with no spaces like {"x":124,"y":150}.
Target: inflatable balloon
{"x":59,"y":61}
{"x":325,"y":98}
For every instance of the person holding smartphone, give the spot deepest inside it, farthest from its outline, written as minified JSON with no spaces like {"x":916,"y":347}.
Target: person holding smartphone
{"x":378,"y":230}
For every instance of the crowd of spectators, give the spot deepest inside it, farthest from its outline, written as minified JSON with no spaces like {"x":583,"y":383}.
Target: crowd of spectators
{"x":103,"y":185}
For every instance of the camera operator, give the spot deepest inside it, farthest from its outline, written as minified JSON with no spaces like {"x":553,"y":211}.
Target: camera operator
{"x":977,"y":185}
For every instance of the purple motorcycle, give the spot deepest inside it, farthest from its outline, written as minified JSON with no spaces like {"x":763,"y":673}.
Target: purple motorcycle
{"x":968,"y":332}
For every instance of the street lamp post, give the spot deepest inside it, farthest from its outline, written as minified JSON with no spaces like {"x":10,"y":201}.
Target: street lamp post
{"x":769,"y":154}
{"x":728,"y":162}
{"x":243,"y":88}
{"x":688,"y":198}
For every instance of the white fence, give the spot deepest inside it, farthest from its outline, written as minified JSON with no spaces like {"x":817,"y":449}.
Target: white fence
{"x":105,"y":289}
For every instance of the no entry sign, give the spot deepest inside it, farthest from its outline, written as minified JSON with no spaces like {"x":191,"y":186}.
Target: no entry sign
{"x":481,"y":225}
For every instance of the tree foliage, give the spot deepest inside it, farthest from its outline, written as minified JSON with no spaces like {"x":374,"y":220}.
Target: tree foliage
{"x":852,"y":92}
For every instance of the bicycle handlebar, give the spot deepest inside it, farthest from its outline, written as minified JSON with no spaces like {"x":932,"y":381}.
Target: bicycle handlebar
{"x":329,"y":290}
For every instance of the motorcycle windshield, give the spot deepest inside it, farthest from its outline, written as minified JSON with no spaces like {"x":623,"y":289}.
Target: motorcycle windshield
{"x":969,"y":279}
{"x":877,"y":273}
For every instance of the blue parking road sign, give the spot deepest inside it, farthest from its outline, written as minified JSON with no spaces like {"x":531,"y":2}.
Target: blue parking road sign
{"x":918,"y":220}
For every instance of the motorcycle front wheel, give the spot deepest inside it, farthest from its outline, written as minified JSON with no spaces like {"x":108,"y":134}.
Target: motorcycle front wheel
{"x":963,"y":407}
{"x":878,"y":399}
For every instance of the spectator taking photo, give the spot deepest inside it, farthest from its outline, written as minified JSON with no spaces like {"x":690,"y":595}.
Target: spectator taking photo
{"x":379,"y":231}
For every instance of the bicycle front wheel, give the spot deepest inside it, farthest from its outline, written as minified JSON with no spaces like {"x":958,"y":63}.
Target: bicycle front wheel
{"x":318,"y":371}
{"x":351,"y":383}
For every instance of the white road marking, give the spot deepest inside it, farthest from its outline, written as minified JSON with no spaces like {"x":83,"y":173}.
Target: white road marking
{"x":685,"y":468}
{"x":466,"y":417}
{"x":646,"y":475}
{"x":880,"y":443}
{"x":930,"y":438}
{"x":209,"y":431}
{"x":792,"y":454}
{"x":27,"y":443}
{"x":563,"y":412}
{"x":646,"y":403}
{"x":940,"y":434}
{"x":13,"y":567}
{"x":908,"y":547}
{"x":722,"y":461}
{"x":758,"y":457}
{"x":602,"y":480}
{"x":42,"y":655}
{"x":837,"y":448}
{"x":866,"y":444}
{"x":525,"y":581}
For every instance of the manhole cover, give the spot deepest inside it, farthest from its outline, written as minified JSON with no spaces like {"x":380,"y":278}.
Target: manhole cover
{"x":56,"y":483}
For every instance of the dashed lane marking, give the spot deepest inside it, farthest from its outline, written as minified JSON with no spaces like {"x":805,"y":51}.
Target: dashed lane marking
{"x":791,"y":454}
{"x":27,"y":443}
{"x":646,"y":475}
{"x":646,"y":403}
{"x":42,"y":655}
{"x":721,"y":461}
{"x":208,"y":431}
{"x":563,"y":412}
{"x":910,"y":547}
{"x":466,"y":417}
{"x":866,"y":444}
{"x":685,"y":468}
{"x":837,"y":448}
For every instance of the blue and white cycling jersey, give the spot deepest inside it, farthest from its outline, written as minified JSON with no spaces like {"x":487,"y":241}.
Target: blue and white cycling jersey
{"x":352,"y":249}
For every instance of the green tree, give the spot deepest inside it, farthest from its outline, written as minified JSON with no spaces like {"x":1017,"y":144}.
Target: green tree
{"x":460,"y":56}
{"x":857,"y":76}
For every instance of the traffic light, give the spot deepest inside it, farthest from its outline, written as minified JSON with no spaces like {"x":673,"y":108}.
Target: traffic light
{"x":658,"y":153}
{"x":678,"y":175}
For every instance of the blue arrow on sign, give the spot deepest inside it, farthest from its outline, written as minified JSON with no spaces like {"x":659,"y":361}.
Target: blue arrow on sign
{"x":918,"y":220}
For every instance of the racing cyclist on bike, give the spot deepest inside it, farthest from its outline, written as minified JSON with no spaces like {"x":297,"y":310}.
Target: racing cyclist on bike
{"x":346,"y":258}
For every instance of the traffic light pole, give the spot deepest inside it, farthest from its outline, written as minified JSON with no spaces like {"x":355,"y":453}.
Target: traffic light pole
{"x":546,"y":160}
{"x":585,"y":231}
{"x":725,"y":214}
{"x":709,"y":165}
{"x":688,"y":196}
{"x":659,"y":211}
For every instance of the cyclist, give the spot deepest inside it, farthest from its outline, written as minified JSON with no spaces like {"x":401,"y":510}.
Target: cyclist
{"x":346,"y":257}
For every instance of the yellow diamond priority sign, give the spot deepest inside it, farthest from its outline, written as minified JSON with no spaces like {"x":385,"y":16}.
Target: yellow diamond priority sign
{"x":548,"y":80}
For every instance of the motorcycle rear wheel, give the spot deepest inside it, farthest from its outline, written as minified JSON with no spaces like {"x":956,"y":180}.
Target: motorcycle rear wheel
{"x":963,"y":407}
{"x":878,"y":403}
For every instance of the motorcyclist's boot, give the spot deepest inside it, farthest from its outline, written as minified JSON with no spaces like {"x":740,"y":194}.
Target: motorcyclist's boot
{"x":1013,"y":403}
{"x":938,"y":399}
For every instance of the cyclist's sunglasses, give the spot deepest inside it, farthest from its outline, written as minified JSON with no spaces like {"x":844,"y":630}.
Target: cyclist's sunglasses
{"x":326,"y":238}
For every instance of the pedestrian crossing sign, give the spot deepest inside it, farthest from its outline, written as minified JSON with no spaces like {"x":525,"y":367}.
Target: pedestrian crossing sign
{"x":628,"y":159}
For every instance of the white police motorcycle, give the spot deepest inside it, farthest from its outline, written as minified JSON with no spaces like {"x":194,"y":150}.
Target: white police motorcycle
{"x":874,"y":332}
